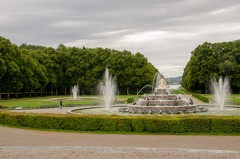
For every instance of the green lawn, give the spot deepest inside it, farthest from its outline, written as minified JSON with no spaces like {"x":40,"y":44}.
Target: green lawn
{"x":181,"y":90}
{"x":232,"y":99}
{"x":54,"y":100}
{"x":50,"y":101}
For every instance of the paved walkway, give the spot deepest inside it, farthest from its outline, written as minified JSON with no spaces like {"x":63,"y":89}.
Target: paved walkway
{"x":49,"y":110}
{"x":35,"y":144}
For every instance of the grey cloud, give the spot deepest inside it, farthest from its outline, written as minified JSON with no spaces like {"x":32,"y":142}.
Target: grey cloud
{"x":121,"y":25}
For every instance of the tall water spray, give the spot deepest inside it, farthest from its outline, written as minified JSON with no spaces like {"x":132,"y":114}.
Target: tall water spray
{"x":155,"y":83}
{"x":221,"y":91}
{"x":74,"y":92}
{"x":108,"y":88}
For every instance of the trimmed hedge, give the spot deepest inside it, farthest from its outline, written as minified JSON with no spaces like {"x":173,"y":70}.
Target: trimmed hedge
{"x":137,"y":124}
{"x":202,"y":98}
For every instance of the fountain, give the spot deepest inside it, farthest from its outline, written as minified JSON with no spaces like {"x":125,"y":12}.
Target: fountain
{"x":221,"y":91}
{"x":74,"y":92}
{"x":162,"y":101}
{"x":108,"y":88}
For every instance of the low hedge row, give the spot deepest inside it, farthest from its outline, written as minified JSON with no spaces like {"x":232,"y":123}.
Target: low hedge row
{"x":202,"y":98}
{"x":137,"y":124}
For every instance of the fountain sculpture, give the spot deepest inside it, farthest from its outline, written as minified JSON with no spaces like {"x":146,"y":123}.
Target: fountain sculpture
{"x":108,"y":88}
{"x":74,"y":92}
{"x":162,"y":101}
{"x":221,"y":91}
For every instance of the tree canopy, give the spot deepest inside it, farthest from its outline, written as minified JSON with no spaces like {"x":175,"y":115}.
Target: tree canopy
{"x":213,"y":60}
{"x":32,"y":68}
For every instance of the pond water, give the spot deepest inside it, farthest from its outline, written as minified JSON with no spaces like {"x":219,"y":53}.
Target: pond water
{"x":212,"y":110}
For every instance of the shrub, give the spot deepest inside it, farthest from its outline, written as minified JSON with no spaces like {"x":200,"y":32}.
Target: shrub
{"x":184,"y":124}
{"x":130,"y":100}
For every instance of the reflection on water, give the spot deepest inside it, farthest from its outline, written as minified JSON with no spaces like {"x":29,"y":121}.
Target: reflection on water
{"x":175,"y":86}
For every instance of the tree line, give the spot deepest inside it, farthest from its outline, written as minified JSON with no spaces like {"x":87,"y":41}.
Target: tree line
{"x":31,"y":69}
{"x":213,"y":60}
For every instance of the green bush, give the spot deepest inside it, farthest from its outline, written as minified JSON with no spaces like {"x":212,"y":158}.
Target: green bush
{"x":202,"y":98}
{"x":130,"y":100}
{"x":184,"y":124}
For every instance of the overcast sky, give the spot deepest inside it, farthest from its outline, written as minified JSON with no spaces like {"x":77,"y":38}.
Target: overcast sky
{"x":164,"y":31}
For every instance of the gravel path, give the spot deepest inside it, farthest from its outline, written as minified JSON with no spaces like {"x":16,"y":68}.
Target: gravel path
{"x":34,"y":144}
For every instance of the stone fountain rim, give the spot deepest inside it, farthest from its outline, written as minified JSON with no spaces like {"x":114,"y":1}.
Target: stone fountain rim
{"x":92,"y":107}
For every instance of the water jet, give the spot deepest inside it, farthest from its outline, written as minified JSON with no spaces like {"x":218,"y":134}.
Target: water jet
{"x":221,"y":90}
{"x":108,"y":88}
{"x":74,"y":92}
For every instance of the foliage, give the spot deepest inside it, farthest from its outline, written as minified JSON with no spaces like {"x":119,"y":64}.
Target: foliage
{"x":32,"y":69}
{"x":136,"y":124}
{"x":212,"y":60}
{"x":130,"y":100}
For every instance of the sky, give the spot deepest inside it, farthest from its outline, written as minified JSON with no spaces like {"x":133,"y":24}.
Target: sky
{"x":164,"y":31}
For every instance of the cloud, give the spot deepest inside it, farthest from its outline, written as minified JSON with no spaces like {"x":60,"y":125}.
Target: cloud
{"x":169,"y":70}
{"x":164,"y":31}
{"x":143,"y":37}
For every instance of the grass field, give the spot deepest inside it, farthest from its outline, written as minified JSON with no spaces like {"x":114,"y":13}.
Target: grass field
{"x":54,"y":100}
{"x":50,"y":101}
{"x":232,"y":99}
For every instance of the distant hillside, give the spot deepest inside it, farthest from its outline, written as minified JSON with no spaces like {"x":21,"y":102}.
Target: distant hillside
{"x":174,"y":80}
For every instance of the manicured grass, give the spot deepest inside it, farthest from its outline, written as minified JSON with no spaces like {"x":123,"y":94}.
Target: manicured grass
{"x":54,"y":100}
{"x":181,"y":90}
{"x":235,"y":99}
{"x":49,"y":100}
{"x":232,"y":99}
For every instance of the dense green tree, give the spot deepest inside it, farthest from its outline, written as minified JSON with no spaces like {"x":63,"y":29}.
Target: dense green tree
{"x":212,"y":60}
{"x":33,"y":68}
{"x":10,"y":55}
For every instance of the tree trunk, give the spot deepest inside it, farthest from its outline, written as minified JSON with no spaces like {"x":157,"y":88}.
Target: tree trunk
{"x":23,"y":93}
{"x":30,"y":92}
{"x":51,"y":91}
{"x":56,"y":91}
{"x":127,"y":91}
{"x":65,"y":90}
{"x":16,"y":95}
